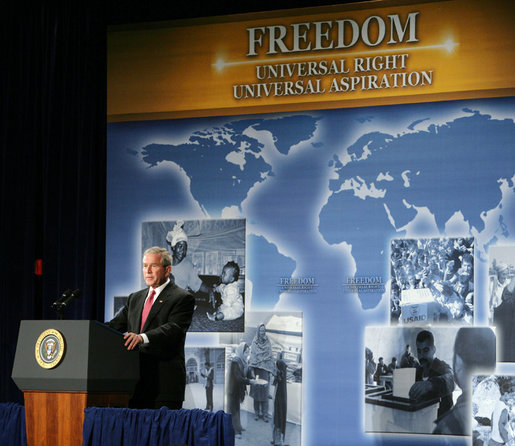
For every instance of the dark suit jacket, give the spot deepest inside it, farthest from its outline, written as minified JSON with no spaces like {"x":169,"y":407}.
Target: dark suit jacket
{"x":237,"y":385}
{"x":442,"y":378}
{"x":162,"y":367}
{"x":209,"y":378}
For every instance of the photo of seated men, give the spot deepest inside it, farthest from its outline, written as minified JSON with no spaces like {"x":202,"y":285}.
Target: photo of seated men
{"x":209,"y":261}
{"x":430,"y":391}
{"x":493,"y":414}
{"x":501,"y":287}
{"x":432,"y":281}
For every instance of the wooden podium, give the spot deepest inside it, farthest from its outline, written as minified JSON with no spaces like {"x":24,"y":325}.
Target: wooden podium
{"x":62,"y":367}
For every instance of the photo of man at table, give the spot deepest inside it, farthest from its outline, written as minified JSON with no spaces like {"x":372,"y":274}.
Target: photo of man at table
{"x":422,"y":396}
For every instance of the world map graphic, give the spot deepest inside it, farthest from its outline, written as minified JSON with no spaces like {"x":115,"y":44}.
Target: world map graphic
{"x":376,"y":187}
{"x":323,"y":194}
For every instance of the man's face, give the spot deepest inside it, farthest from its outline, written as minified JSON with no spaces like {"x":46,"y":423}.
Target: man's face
{"x":425,"y":353}
{"x":467,"y":267}
{"x":154,"y":273}
{"x":463,"y":278}
{"x":179,"y":250}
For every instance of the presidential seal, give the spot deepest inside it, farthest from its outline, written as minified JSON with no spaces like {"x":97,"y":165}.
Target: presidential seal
{"x":49,"y":348}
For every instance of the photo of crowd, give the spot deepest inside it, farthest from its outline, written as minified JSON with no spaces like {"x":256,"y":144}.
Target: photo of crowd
{"x":432,"y":280}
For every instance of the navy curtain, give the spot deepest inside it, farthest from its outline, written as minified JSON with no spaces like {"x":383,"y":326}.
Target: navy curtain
{"x":146,"y":427}
{"x":52,"y":166}
{"x":132,"y":427}
{"x":12,"y":425}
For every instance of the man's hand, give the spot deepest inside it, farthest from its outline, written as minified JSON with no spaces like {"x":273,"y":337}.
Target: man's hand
{"x":132,"y":340}
{"x":419,"y":389}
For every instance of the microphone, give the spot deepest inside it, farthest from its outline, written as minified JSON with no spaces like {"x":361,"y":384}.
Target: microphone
{"x":60,"y":304}
{"x":75,"y":294}
{"x":57,"y":304}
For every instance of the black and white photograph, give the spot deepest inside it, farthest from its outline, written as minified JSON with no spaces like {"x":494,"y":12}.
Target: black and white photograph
{"x":493,"y":410}
{"x":209,"y":261}
{"x":418,"y":379}
{"x":432,"y":281}
{"x":205,"y":378}
{"x":501,"y":290}
{"x":264,"y":379}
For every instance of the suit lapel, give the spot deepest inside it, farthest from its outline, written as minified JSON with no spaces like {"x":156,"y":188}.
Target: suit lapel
{"x":139,"y":310}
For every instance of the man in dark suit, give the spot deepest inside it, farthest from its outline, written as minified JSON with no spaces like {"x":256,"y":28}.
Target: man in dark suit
{"x":209,"y":376}
{"x":434,"y":377}
{"x":155,"y":321}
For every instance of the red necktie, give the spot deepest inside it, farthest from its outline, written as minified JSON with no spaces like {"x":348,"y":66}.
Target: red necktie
{"x":146,"y":309}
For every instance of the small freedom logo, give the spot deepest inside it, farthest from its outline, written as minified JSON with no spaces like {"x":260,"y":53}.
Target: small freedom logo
{"x":50,"y":348}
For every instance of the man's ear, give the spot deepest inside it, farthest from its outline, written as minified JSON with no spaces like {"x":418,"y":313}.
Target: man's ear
{"x":168,"y":270}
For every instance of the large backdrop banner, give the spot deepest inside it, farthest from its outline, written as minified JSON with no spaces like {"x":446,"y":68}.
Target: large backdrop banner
{"x":331,"y":182}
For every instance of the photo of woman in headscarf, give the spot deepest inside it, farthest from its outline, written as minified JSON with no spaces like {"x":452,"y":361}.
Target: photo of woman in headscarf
{"x":237,"y":386}
{"x":208,"y":259}
{"x":262,"y":367}
{"x":274,"y":413}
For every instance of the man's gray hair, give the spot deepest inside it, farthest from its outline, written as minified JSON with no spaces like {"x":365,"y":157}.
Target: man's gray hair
{"x":166,"y":257}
